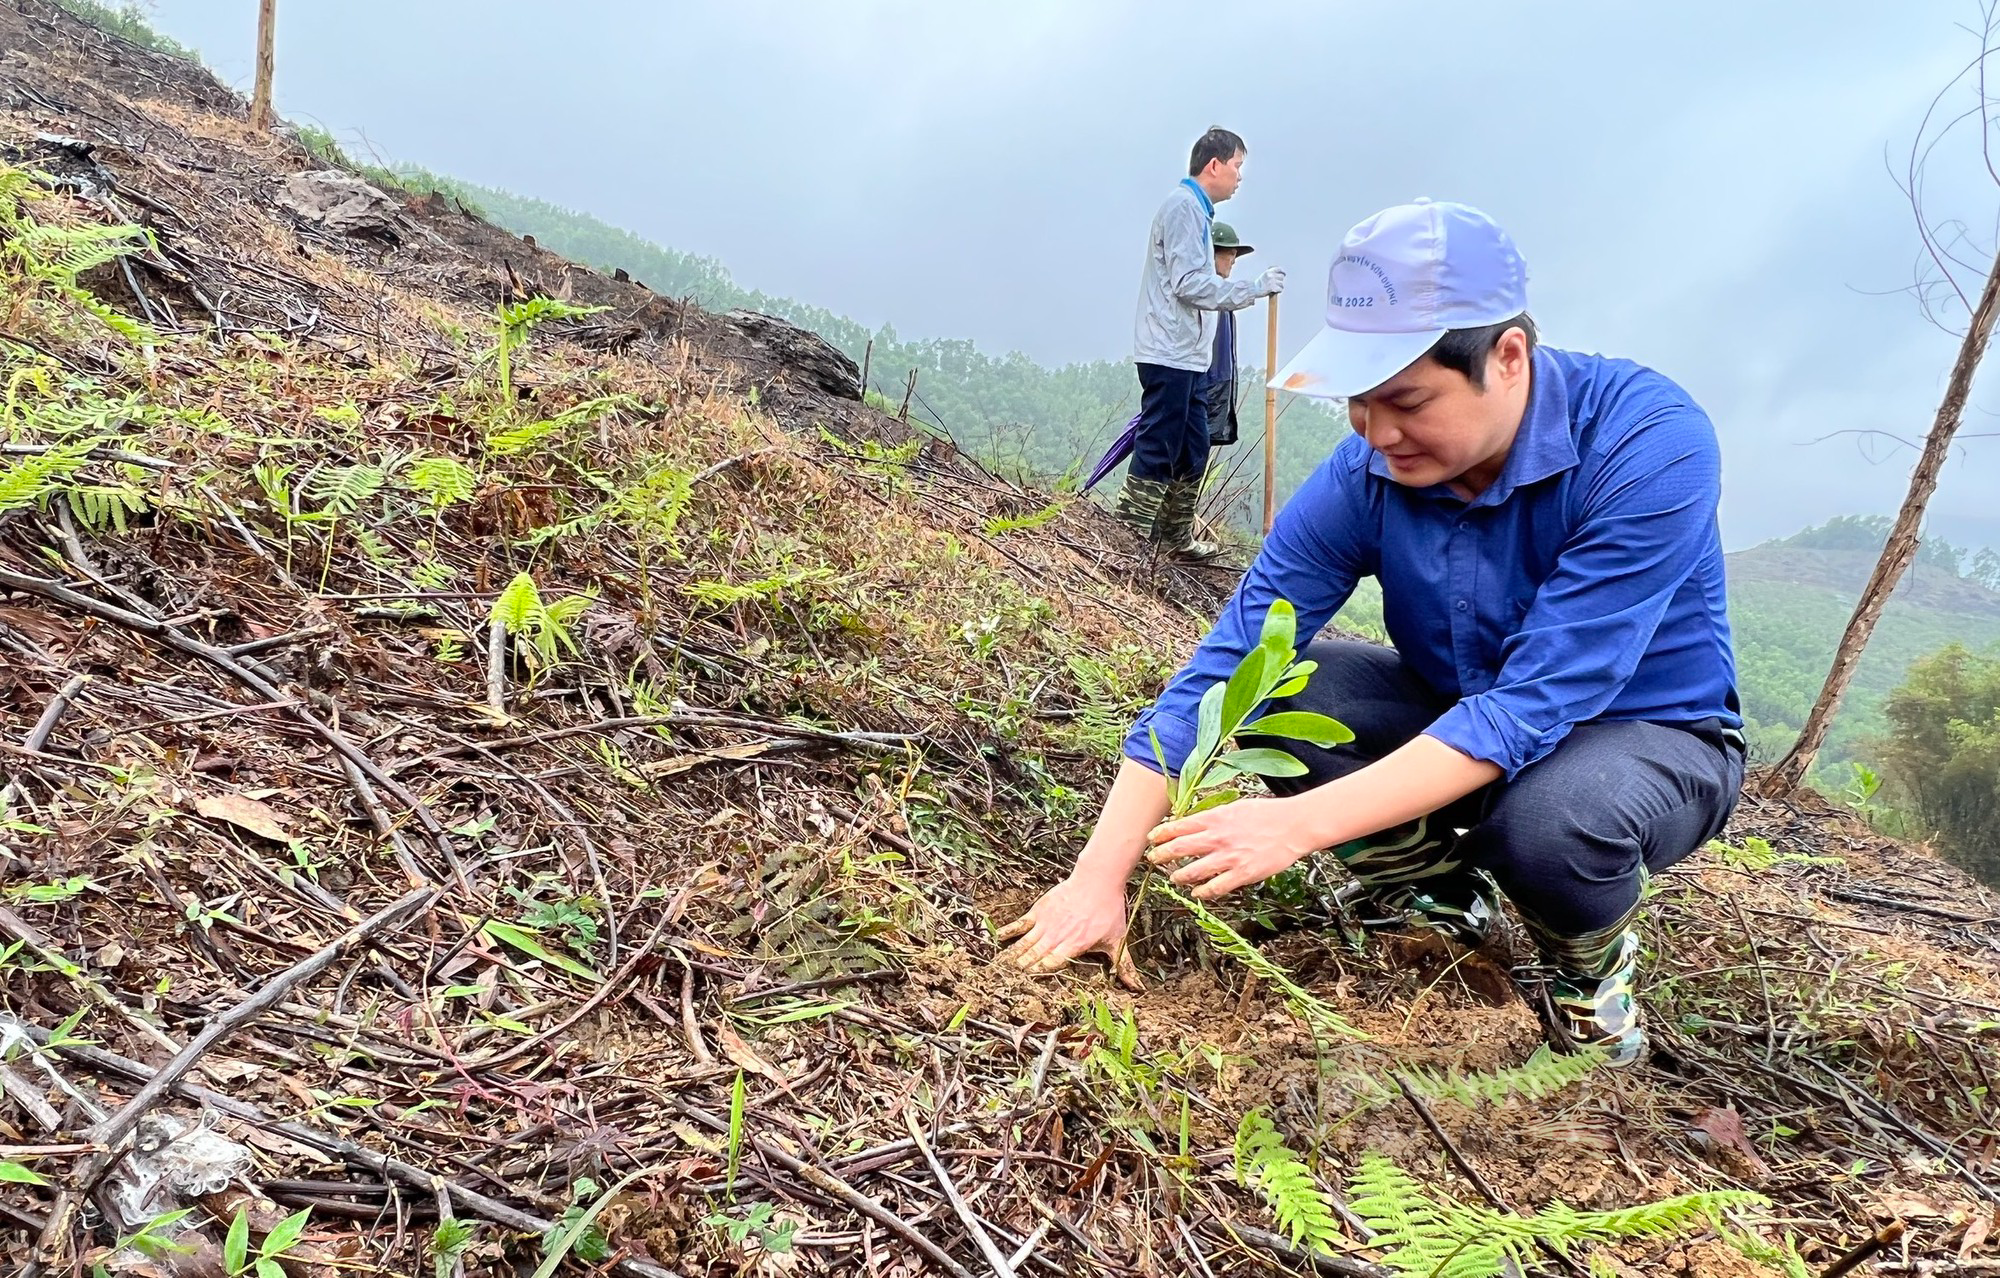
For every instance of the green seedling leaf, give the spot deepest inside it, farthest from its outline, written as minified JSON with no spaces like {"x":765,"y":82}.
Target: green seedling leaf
{"x":523,"y":940}
{"x":1215,"y":774}
{"x":812,"y":1011}
{"x":16,"y":1174}
{"x":1246,"y":687}
{"x":1264,"y":763}
{"x":236,"y":1245}
{"x":286,"y":1233}
{"x":735,"y":1129}
{"x":1293,"y":681}
{"x":1300,"y":725}
{"x":51,"y":893}
{"x":1281,"y":627}
{"x":1215,"y":800}
{"x":1208,"y":728}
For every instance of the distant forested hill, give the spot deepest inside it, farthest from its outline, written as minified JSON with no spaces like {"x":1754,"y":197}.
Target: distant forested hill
{"x":1789,"y":600}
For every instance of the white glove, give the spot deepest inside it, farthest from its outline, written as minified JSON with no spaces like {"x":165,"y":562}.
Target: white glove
{"x":1271,"y":282}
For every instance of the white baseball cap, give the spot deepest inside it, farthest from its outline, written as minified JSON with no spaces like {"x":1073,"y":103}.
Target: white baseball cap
{"x":1403,"y":279}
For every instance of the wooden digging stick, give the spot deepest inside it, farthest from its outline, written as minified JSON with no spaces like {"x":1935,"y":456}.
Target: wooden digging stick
{"x":1271,"y":418}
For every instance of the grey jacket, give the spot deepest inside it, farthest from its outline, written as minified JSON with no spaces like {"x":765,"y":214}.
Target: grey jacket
{"x":1180,"y":292}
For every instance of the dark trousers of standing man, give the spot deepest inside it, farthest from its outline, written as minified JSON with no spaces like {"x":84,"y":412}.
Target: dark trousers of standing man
{"x":1567,"y":838}
{"x":1172,"y":444}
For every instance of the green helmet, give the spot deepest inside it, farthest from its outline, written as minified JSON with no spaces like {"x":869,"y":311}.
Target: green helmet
{"x":1223,"y":235}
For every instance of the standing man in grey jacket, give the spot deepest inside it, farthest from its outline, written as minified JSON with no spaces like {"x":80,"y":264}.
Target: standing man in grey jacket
{"x":1179,"y":297}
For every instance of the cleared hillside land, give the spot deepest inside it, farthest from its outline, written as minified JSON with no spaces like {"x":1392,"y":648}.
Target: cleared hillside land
{"x":533,"y":789}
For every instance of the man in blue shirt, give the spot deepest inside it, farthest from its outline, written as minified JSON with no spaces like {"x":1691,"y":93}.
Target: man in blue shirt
{"x":1558,"y":713}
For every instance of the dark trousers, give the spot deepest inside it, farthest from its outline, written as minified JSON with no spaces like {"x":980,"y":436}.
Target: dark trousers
{"x":1567,"y":837}
{"x":1173,"y":426}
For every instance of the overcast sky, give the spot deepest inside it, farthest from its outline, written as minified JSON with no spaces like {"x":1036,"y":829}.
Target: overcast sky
{"x":1700,"y":186}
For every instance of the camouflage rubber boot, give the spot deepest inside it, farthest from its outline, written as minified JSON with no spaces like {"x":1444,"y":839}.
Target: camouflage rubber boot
{"x":1177,"y":530}
{"x":1591,"y":979}
{"x":1142,"y":505}
{"x":1409,"y":875}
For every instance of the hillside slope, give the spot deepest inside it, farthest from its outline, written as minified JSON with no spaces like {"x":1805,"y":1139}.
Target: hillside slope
{"x":1020,"y":417}
{"x":537,"y":795}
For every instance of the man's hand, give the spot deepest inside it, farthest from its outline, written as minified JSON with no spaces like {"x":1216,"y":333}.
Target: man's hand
{"x":1075,"y":917}
{"x":1271,"y":282}
{"x":1232,"y":846}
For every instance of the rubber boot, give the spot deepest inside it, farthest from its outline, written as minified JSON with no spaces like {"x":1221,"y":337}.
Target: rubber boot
{"x":1591,"y":982}
{"x":1142,"y":505}
{"x":1177,"y":534}
{"x":1410,"y":875}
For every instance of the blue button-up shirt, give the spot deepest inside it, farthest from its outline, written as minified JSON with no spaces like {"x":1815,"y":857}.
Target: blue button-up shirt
{"x":1585,"y":583}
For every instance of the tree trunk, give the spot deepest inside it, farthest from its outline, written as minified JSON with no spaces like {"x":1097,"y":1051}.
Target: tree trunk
{"x":1900,"y":550}
{"x":267,"y":31}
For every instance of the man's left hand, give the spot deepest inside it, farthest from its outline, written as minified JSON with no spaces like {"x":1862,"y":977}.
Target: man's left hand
{"x":1232,"y":846}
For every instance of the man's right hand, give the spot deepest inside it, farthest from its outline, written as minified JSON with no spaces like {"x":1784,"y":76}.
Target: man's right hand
{"x":1271,"y":282}
{"x":1075,"y":917}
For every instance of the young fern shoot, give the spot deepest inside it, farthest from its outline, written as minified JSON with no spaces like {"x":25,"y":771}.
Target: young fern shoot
{"x":517,"y":319}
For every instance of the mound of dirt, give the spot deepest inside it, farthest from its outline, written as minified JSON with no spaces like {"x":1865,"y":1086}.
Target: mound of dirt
{"x":522,"y":770}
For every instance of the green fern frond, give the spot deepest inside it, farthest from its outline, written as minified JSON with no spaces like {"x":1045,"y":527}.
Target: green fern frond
{"x":106,"y":508}
{"x":1439,"y":1237}
{"x":375,"y":549}
{"x":1758,"y":854}
{"x":1266,"y":1164}
{"x":995,"y":527}
{"x":56,"y":255}
{"x":61,"y":253}
{"x":1310,"y":1008}
{"x":1565,"y":1226}
{"x":520,"y":439}
{"x":1104,"y":707}
{"x":724,"y":594}
{"x":1120,"y":1030}
{"x":442,"y":481}
{"x":518,"y":605}
{"x":342,"y":490}
{"x":589,"y":410}
{"x":516,"y":319}
{"x":17,"y":409}
{"x":521,"y":610}
{"x":651,"y":508}
{"x":588,"y":522}
{"x":1785,"y":1258}
{"x":432,"y":574}
{"x":516,"y":440}
{"x":656,"y":503}
{"x":1389,"y":1199}
{"x":17,"y":187}
{"x":29,"y":480}
{"x":112,"y":318}
{"x":1545,"y":1073}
